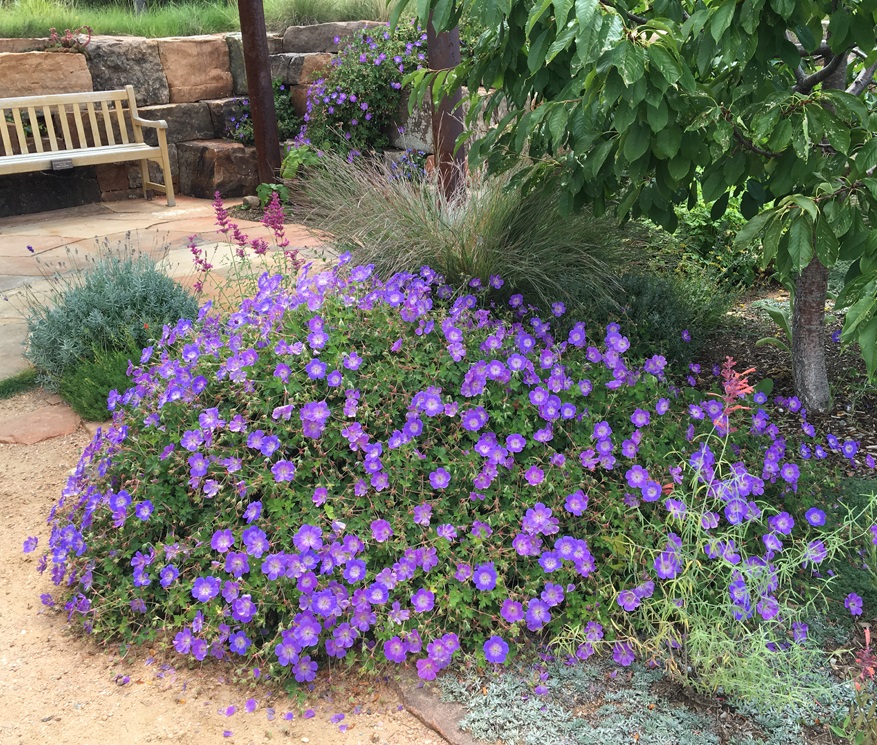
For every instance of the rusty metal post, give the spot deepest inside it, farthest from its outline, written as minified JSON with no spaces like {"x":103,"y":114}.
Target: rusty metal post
{"x":443,"y":53}
{"x":255,"y":42}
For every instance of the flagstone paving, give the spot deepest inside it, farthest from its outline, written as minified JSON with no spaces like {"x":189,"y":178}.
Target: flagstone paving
{"x":33,"y":247}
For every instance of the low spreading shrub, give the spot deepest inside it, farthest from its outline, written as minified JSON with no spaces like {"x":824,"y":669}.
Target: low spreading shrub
{"x":18,"y":383}
{"x":402,"y":222}
{"x":389,"y":470}
{"x":87,"y":384}
{"x":667,"y":314}
{"x":353,"y":108}
{"x":112,"y":303}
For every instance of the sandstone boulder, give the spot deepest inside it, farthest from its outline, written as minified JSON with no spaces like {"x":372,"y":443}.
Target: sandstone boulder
{"x":236,"y":64}
{"x":42,"y":73}
{"x":185,"y":121}
{"x":321,"y":37}
{"x":23,"y":45}
{"x":415,"y":129}
{"x":207,"y":166}
{"x":295,"y":69}
{"x":116,"y":62}
{"x":298,"y":94}
{"x":197,"y":67}
{"x":224,"y":112}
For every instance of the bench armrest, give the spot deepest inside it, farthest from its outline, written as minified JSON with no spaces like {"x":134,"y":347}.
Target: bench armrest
{"x":156,"y":123}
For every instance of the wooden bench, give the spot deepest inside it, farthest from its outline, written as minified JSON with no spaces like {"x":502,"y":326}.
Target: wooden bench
{"x":66,"y":130}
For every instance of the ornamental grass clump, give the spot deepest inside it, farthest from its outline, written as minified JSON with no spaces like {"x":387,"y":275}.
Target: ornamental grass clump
{"x":400,"y":224}
{"x":388,"y":471}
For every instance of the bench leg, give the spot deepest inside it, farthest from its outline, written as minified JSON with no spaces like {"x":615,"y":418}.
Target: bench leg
{"x":144,"y":175}
{"x":168,"y":178}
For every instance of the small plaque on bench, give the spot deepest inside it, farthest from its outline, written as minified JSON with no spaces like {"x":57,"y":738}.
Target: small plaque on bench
{"x":62,"y":164}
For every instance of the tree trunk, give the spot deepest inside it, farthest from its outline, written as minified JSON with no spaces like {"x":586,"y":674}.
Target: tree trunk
{"x":443,"y":52}
{"x":808,"y":338}
{"x":139,"y":7}
{"x":261,"y":92}
{"x":808,"y":313}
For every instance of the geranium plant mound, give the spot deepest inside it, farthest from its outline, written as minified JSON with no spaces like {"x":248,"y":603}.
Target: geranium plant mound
{"x":395,"y":471}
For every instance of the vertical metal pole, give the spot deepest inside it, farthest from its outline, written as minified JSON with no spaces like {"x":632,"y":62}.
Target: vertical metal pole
{"x":443,"y":53}
{"x":255,"y":42}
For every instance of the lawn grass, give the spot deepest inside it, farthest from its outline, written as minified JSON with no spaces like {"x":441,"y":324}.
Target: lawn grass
{"x":34,"y":18}
{"x":23,"y":381}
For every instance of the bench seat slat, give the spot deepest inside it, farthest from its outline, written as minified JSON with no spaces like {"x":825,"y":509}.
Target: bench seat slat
{"x":80,"y":157}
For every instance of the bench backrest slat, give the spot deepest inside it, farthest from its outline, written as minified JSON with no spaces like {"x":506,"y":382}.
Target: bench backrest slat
{"x":35,"y":128}
{"x":120,"y":115}
{"x":92,"y":120}
{"x":50,"y":128}
{"x":19,"y":130}
{"x":108,"y":123}
{"x":77,"y":120}
{"x":4,"y":132}
{"x":65,"y":127}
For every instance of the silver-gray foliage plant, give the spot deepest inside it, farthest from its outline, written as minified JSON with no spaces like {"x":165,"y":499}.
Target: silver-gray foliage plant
{"x":117,"y":301}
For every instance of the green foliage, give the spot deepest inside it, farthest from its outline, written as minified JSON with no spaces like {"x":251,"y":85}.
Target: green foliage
{"x":23,"y":381}
{"x":265,"y":191}
{"x":504,"y":708}
{"x":282,"y":13}
{"x":353,"y":107}
{"x":781,"y":315}
{"x":288,"y":121}
{"x":87,"y":384}
{"x":32,"y":18}
{"x":401,"y":224}
{"x":658,"y":308}
{"x":587,"y":704}
{"x":117,"y":301}
{"x":643,"y":105}
{"x":298,"y":156}
{"x":710,"y":244}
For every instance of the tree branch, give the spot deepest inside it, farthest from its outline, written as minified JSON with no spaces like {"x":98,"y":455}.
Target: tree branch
{"x":811,"y":81}
{"x":751,"y":146}
{"x":862,"y":81}
{"x":631,"y":16}
{"x":823,"y":50}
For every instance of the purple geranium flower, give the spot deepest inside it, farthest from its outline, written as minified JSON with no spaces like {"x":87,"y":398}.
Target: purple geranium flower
{"x":283,"y":470}
{"x":622,"y":653}
{"x":381,"y":530}
{"x":512,"y":611}
{"x":439,"y":479}
{"x":496,"y":650}
{"x":853,"y":604}
{"x":423,"y":600}
{"x":815,"y":517}
{"x":205,"y":589}
{"x":484,"y":577}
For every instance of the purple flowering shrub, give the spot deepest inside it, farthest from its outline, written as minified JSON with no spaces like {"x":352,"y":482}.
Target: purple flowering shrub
{"x":349,"y":466}
{"x":353,"y":107}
